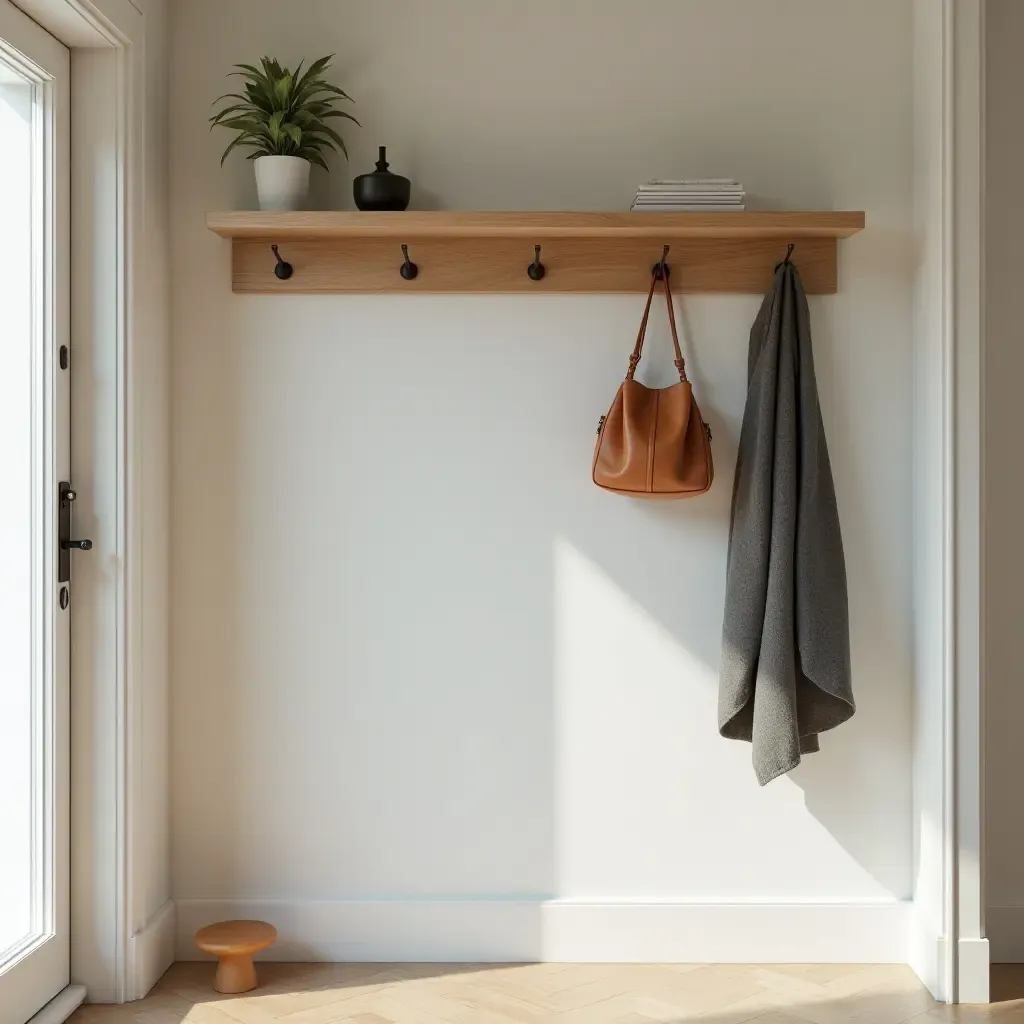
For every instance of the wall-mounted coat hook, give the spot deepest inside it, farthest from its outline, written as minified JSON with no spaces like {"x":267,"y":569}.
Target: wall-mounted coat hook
{"x":282,"y":270}
{"x":789,"y":252}
{"x":536,"y":269}
{"x":408,"y":270}
{"x":661,"y":267}
{"x":335,"y":252}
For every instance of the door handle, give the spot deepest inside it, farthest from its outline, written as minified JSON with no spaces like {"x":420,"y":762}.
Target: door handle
{"x":66,"y":498}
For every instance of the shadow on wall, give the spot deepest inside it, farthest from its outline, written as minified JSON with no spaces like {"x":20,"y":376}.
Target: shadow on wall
{"x":640,"y":591}
{"x":426,"y":657}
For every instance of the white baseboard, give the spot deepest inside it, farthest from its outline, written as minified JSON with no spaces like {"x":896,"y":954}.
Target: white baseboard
{"x":152,"y":951}
{"x":974,"y":963}
{"x":564,"y":930}
{"x":1005,"y":928}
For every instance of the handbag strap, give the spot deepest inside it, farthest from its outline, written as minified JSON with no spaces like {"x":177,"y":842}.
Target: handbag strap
{"x":634,"y":359}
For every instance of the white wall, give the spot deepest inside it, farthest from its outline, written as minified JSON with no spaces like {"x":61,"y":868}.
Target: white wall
{"x":1004,"y":491}
{"x":416,"y":656}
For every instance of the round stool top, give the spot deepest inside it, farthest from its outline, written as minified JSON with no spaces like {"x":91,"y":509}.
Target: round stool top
{"x":234,"y":938}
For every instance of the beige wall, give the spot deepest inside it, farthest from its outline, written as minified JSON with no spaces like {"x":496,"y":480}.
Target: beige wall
{"x":416,"y":655}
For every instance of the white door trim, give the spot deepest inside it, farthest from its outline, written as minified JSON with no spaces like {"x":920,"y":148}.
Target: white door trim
{"x":118,"y":322}
{"x":100,"y":358}
{"x":949,"y":949}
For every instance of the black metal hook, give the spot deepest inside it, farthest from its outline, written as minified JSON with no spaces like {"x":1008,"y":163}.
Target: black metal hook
{"x":408,"y":270}
{"x":536,"y":269}
{"x":789,"y":252}
{"x":282,"y":270}
{"x":661,"y":267}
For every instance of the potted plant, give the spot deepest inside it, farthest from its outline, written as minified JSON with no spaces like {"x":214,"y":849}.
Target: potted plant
{"x":282,"y":120}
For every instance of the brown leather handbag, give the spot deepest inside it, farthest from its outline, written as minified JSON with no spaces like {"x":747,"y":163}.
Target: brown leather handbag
{"x":654,"y":443}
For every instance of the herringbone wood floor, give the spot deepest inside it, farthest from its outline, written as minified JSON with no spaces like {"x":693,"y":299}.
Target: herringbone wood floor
{"x":556,"y":994}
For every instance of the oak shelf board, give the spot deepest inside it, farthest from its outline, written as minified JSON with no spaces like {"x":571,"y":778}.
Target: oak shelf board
{"x":487,"y":224}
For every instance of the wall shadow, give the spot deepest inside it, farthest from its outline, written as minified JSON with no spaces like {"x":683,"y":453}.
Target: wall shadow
{"x":671,"y":562}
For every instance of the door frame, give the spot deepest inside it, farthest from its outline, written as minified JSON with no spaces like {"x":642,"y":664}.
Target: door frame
{"x":122,"y":921}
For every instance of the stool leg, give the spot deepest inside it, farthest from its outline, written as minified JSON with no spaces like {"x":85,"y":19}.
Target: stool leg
{"x":235,"y":974}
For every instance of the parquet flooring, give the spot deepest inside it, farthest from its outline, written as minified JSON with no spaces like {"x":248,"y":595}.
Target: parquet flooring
{"x":557,"y":994}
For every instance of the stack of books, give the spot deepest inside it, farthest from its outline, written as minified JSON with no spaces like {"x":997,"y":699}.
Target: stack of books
{"x":699,"y":195}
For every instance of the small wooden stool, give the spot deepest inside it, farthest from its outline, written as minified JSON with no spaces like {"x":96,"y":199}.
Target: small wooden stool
{"x":233,"y":943}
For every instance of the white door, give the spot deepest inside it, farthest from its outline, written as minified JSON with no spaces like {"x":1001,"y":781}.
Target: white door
{"x":34,"y":458}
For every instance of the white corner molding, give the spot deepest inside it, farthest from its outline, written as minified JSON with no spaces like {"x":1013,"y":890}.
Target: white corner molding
{"x":507,"y":931}
{"x":947,"y":928}
{"x":151,"y":950}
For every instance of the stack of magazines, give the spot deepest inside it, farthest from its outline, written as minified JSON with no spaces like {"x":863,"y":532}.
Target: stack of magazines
{"x":698,"y":195}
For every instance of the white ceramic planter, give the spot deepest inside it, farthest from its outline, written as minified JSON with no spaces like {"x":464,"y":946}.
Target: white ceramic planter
{"x":282,"y":182}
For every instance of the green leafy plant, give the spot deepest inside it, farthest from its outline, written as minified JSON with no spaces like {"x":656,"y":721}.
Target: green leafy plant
{"x":283,"y":113}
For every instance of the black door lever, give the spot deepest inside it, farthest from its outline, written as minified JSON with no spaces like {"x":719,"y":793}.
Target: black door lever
{"x":66,"y":498}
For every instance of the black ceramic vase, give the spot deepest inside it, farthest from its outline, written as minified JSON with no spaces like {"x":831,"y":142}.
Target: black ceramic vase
{"x":381,"y":190}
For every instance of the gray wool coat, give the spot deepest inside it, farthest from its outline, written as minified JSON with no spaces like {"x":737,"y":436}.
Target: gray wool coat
{"x":785,"y":674}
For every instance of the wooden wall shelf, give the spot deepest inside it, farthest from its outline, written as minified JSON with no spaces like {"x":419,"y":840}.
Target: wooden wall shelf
{"x":461,"y":251}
